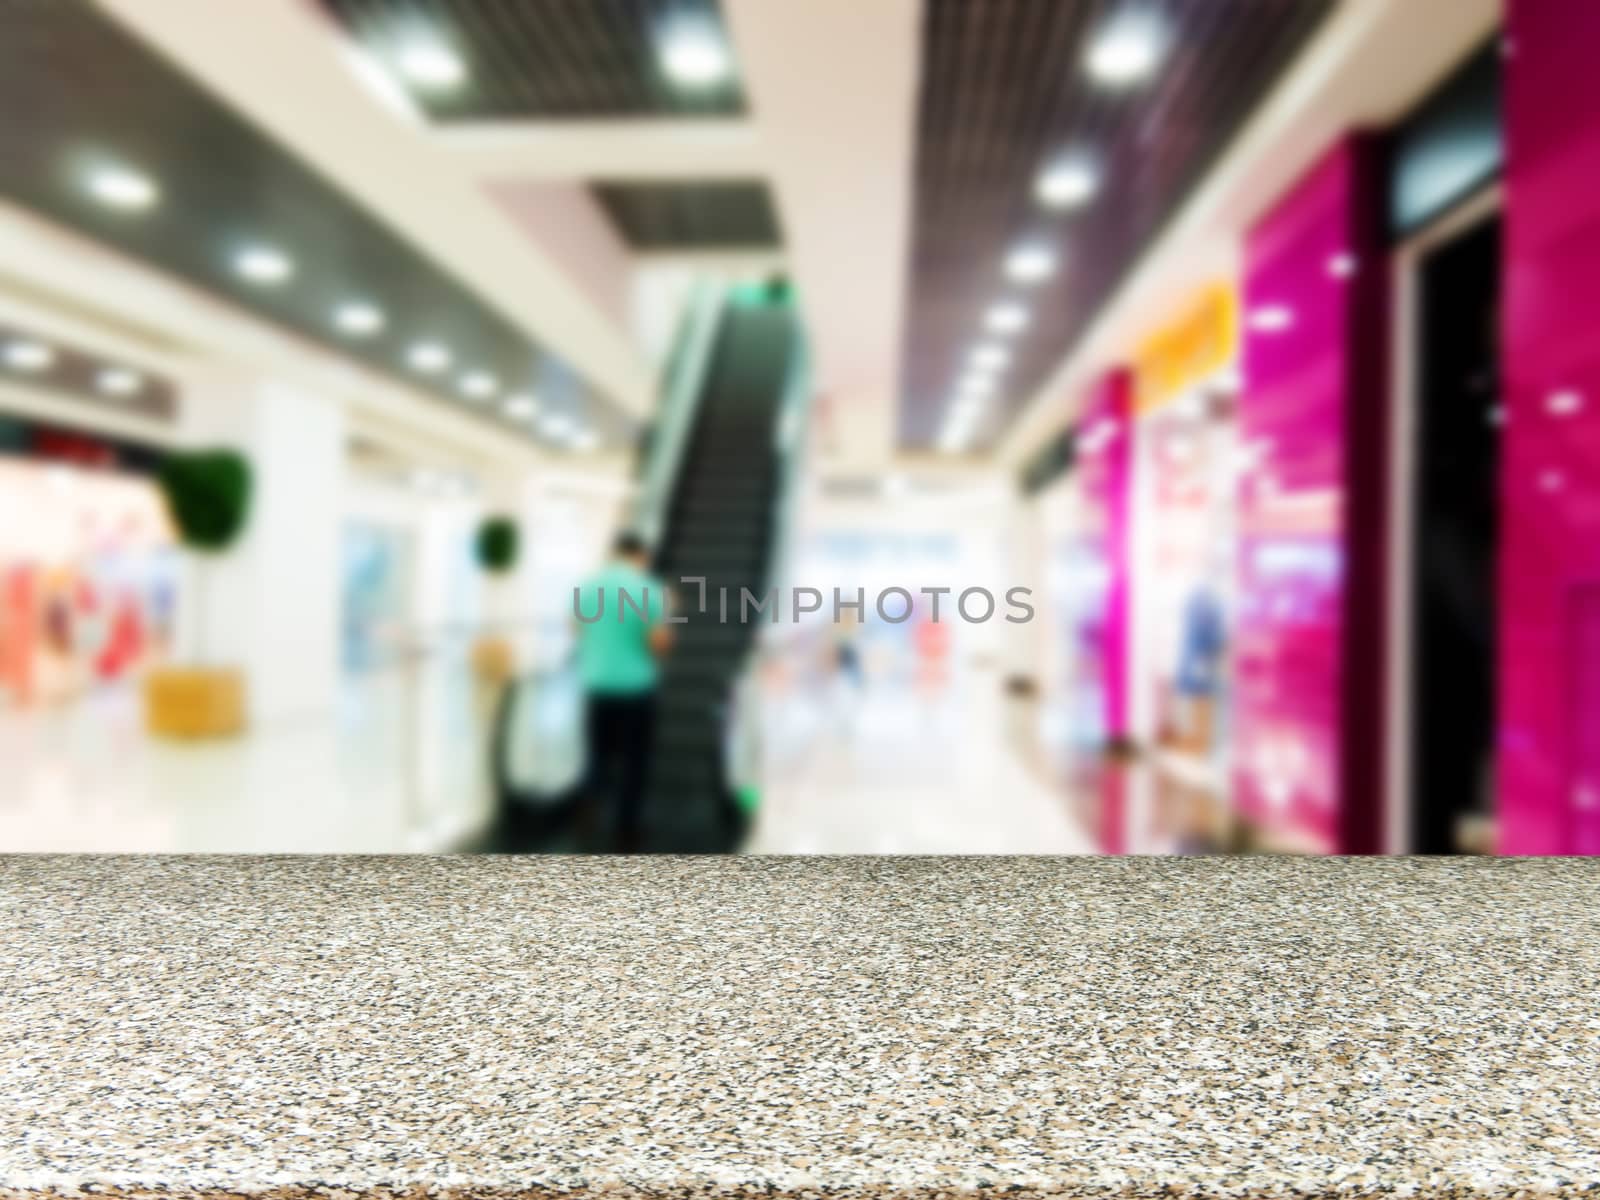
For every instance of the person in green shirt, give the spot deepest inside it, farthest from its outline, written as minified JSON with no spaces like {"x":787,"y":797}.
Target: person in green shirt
{"x":623,"y":634}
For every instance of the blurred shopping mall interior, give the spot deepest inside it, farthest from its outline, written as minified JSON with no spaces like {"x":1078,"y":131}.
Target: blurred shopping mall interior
{"x":1162,"y":426}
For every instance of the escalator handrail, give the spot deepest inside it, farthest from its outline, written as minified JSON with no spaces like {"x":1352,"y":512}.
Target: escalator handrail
{"x":682,"y":390}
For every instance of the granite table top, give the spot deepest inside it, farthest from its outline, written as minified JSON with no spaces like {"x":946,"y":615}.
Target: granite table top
{"x":886,"y":1027}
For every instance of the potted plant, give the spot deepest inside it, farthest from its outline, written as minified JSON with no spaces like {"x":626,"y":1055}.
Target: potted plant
{"x":208,"y":496}
{"x":498,"y":544}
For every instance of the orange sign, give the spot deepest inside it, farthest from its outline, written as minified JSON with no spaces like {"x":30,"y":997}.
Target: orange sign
{"x":1193,"y":348}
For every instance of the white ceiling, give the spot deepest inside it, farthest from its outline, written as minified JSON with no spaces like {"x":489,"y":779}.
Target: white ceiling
{"x":831,"y":88}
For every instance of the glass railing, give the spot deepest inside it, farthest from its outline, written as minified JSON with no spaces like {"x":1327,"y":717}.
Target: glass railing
{"x":747,"y":745}
{"x":682,"y":387}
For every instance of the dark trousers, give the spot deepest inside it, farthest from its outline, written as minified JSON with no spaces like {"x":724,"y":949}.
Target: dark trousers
{"x":620,"y":734}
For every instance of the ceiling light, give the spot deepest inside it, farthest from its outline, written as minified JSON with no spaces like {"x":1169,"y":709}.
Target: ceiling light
{"x":431,"y":66}
{"x":1127,"y":50}
{"x":1342,"y":266}
{"x":956,"y":435}
{"x":694,"y":54}
{"x":479,"y":385}
{"x":428,"y":357}
{"x":556,"y":425}
{"x":122,"y":187}
{"x":1067,"y":184}
{"x":990,"y":357}
{"x":263,"y":264}
{"x":29,"y":356}
{"x":1006,"y":318}
{"x":585,"y":440}
{"x":118,"y":381}
{"x":520,"y":407}
{"x":358,"y":319}
{"x":1030,"y":263}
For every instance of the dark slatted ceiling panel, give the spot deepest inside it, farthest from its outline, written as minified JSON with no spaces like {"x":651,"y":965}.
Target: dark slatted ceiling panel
{"x":544,"y":58}
{"x":1003,"y":93}
{"x":686,"y":216}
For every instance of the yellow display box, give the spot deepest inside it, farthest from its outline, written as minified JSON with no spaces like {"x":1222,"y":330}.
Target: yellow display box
{"x":194,"y":702}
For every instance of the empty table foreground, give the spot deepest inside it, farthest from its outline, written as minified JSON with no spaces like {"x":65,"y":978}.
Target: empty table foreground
{"x":851,"y":1027}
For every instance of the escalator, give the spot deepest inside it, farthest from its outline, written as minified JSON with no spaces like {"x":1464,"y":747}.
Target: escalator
{"x":719,"y":526}
{"x":711,"y":500}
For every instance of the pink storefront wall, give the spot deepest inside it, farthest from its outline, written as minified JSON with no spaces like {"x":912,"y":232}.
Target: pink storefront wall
{"x":1549,"y":721}
{"x":1312,"y":509}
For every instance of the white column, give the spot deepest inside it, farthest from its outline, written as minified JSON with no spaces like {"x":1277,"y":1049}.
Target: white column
{"x":270,"y":603}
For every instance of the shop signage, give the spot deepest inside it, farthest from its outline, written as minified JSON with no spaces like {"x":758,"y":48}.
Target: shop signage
{"x":1202,"y":342}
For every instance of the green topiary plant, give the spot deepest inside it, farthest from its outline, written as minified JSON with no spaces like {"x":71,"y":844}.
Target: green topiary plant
{"x":208,"y":495}
{"x":498,"y":544}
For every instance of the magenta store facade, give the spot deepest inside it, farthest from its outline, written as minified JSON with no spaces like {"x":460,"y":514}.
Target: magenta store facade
{"x":1312,"y":622}
{"x":1313,"y":418}
{"x":1548,"y":746}
{"x":1315,"y":512}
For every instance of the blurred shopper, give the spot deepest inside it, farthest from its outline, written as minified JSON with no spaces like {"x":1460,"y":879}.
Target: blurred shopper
{"x":847,"y":651}
{"x":622,"y":636}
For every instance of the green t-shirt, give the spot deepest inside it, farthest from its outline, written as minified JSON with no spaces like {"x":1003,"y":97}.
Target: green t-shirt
{"x":614,"y":655}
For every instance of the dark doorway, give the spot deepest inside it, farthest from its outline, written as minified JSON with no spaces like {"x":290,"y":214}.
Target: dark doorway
{"x":1455,"y":501}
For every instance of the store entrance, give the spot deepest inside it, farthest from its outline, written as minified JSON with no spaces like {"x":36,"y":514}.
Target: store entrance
{"x":1455,"y":503}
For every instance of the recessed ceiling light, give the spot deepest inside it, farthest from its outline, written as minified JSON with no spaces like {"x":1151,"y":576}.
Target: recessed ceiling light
{"x":479,"y":385}
{"x":1030,"y":263}
{"x":584,"y":440}
{"x":519,"y":407}
{"x":1067,"y":184}
{"x":556,"y":425}
{"x":263,"y":264}
{"x":29,"y":356}
{"x":118,"y":381}
{"x":428,"y":357}
{"x":431,"y":66}
{"x":957,"y":434}
{"x":953,"y":441}
{"x":358,"y":318}
{"x":694,"y":54}
{"x":1127,"y":50}
{"x":117,"y":186}
{"x":976,"y":384}
{"x":990,"y":357}
{"x":1006,"y":318}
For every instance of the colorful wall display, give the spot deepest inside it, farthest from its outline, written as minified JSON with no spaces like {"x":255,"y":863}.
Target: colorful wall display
{"x":1548,"y":748}
{"x":88,"y":582}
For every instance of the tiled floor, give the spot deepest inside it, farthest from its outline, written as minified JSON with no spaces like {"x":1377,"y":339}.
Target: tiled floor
{"x":894,"y":768}
{"x":399,"y":768}
{"x":887,"y":768}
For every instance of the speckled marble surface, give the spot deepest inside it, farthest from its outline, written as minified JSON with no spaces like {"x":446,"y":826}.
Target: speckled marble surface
{"x":845,"y":1027}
